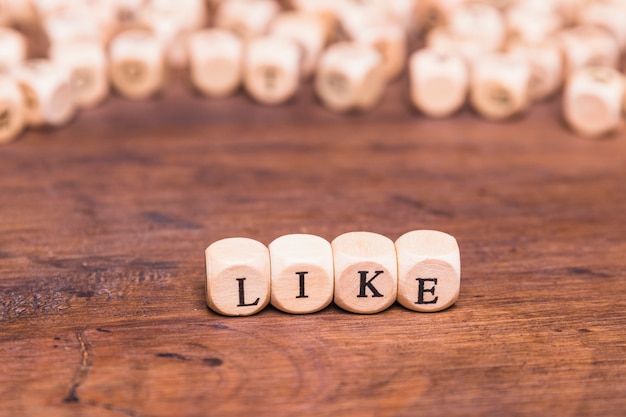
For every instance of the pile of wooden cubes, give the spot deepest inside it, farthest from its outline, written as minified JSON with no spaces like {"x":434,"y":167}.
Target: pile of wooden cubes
{"x":497,"y":55}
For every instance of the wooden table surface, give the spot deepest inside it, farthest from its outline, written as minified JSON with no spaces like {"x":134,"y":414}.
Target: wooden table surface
{"x":103,"y":225}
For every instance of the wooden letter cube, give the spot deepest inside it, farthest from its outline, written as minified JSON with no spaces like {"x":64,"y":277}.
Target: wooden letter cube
{"x":439,"y":82}
{"x":86,"y":64}
{"x":480,"y":22}
{"x":607,"y":14}
{"x":136,"y":64}
{"x":307,"y":30}
{"x":530,"y":25}
{"x":48,"y":96}
{"x":247,"y":18}
{"x":546,"y":66}
{"x":238,"y":276}
{"x":429,"y":270}
{"x":499,"y":86}
{"x":302,"y":273}
{"x":72,"y":25}
{"x":216,"y":61}
{"x":366,"y":278}
{"x":272,"y":69}
{"x":350,"y":76}
{"x":12,"y":111}
{"x":12,"y":50}
{"x":172,"y":22}
{"x":592,"y":100}
{"x":390,"y":40}
{"x":470,"y":49}
{"x":588,"y":46}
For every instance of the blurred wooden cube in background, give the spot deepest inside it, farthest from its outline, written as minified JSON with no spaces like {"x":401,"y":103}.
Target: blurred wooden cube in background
{"x":216,"y":61}
{"x":48,"y":96}
{"x":350,"y":76}
{"x":439,"y":82}
{"x":87,"y":66}
{"x":271,"y":69}
{"x":592,"y":101}
{"x":499,"y":86}
{"x":136,"y":59}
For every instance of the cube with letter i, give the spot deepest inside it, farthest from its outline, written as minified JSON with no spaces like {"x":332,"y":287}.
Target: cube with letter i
{"x":302,"y":273}
{"x":238,"y":276}
{"x":366,"y":279}
{"x":429,"y":270}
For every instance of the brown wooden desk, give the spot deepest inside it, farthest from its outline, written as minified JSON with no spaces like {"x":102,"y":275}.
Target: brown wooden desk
{"x":103,"y":225}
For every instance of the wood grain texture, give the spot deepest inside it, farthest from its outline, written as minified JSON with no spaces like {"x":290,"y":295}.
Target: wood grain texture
{"x":103,"y":225}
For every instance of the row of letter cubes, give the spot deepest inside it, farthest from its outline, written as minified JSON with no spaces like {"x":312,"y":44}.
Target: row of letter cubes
{"x":362,"y":272}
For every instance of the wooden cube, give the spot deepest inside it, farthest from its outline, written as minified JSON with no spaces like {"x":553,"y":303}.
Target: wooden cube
{"x":216,"y":61}
{"x":402,"y":12}
{"x":307,"y":30}
{"x":397,"y":12}
{"x":302,"y":273}
{"x":12,"y":50}
{"x":12,"y":111}
{"x":436,"y":13}
{"x":607,"y":14}
{"x":20,"y":13}
{"x":366,"y":278}
{"x":592,"y":101}
{"x":271,"y":69}
{"x":480,"y":22}
{"x":73,"y":24}
{"x":472,"y":51}
{"x":247,"y":18}
{"x":238,"y":276}
{"x":499,"y":86}
{"x":136,"y":64}
{"x":127,"y":12}
{"x":47,"y":93}
{"x":327,"y":10}
{"x":186,"y":14}
{"x":531,"y":26}
{"x":350,"y":76}
{"x":429,"y":270}
{"x":172,"y":23}
{"x":357,"y":17}
{"x":45,"y":8}
{"x":390,"y":40}
{"x":439,"y":82}
{"x":569,"y":10}
{"x":86,"y":64}
{"x":546,"y":66}
{"x":588,"y":46}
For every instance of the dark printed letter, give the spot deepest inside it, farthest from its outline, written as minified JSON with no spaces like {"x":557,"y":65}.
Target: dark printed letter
{"x":302,"y":294}
{"x":422,"y":290}
{"x":242,"y":297}
{"x":368,"y":284}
